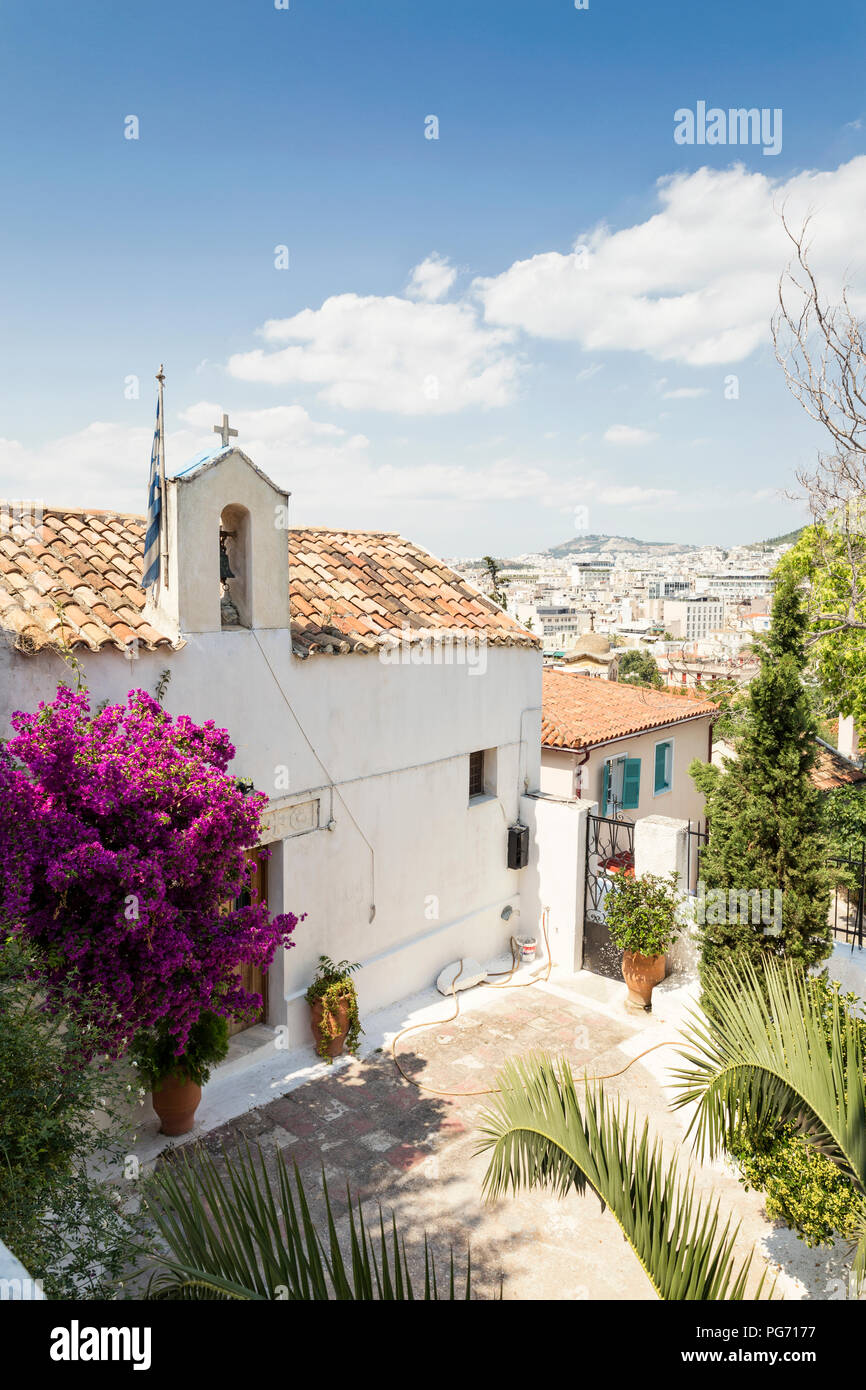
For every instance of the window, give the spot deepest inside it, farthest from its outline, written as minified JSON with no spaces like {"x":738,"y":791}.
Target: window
{"x":664,"y":765}
{"x":483,"y":774}
{"x":620,"y":785}
{"x":476,"y":774}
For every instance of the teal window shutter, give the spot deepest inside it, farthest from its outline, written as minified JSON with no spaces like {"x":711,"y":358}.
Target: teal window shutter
{"x":662,"y":775}
{"x":631,"y":784}
{"x":605,"y":787}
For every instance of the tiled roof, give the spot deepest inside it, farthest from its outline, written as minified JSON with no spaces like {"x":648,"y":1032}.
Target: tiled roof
{"x":579,"y":711}
{"x":352,"y":590}
{"x":72,"y":581}
{"x":833,"y":770}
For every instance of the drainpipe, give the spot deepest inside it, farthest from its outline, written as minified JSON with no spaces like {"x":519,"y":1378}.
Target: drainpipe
{"x":582,"y":763}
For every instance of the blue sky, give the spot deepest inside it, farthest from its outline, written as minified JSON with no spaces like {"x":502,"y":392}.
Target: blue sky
{"x":517,"y":379}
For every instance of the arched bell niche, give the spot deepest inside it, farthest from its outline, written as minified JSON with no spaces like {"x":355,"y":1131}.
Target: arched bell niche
{"x":235,"y":541}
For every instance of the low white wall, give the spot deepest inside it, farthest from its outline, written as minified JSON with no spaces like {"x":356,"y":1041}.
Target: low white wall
{"x":661,"y":848}
{"x":554,"y":879}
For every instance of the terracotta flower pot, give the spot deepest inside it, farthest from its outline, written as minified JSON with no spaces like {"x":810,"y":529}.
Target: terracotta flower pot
{"x":339,"y":1019}
{"x":175,"y":1101}
{"x":642,"y":974}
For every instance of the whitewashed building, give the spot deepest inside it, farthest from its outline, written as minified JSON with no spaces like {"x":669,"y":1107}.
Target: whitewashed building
{"x":394,"y":754}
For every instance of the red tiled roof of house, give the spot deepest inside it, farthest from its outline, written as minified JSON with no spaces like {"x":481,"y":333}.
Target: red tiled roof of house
{"x":73,"y":581}
{"x":579,"y":711}
{"x":833,"y":770}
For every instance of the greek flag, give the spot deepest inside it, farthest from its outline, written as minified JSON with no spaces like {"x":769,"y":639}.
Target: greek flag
{"x":154,"y":510}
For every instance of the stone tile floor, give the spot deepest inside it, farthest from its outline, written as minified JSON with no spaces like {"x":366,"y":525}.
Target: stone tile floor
{"x":414,"y":1152}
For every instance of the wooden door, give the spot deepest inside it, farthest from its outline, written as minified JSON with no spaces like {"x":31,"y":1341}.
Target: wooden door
{"x":253,"y":979}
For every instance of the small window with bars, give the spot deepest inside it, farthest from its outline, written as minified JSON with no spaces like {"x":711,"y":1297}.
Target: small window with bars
{"x":476,"y":774}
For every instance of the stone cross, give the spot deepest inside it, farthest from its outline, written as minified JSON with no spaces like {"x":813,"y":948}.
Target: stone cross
{"x":225,"y":432}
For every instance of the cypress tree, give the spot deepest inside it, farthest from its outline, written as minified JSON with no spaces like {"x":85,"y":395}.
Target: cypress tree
{"x":764,"y":814}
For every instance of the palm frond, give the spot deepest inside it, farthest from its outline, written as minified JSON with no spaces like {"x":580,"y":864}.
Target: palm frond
{"x":765,"y":1060}
{"x":242,"y":1234}
{"x":541,"y":1134}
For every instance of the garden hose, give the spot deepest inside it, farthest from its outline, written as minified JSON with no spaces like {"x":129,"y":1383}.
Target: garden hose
{"x":524,"y":984}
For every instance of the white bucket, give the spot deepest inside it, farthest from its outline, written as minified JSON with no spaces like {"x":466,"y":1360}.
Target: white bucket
{"x":527,"y":946}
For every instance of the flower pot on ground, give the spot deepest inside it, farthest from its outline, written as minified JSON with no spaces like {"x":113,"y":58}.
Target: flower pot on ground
{"x":642,"y":974}
{"x":641,"y":914}
{"x":176,"y":1080}
{"x":334,"y":1008}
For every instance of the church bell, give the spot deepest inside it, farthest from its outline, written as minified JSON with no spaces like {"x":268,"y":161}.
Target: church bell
{"x":226,"y":571}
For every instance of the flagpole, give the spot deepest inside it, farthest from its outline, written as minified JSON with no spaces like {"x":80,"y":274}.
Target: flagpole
{"x":163,"y":512}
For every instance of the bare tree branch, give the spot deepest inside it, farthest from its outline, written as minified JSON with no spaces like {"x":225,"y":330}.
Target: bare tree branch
{"x":821,"y":349}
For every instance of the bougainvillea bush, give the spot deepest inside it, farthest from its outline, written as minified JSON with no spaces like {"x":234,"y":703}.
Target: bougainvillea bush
{"x":122,"y":840}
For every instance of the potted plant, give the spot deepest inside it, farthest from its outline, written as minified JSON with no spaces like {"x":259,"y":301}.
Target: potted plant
{"x":176,"y":1081}
{"x":334,"y":1008}
{"x":641,"y":914}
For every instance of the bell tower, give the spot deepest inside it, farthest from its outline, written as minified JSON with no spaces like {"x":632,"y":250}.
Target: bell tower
{"x":228,"y":548}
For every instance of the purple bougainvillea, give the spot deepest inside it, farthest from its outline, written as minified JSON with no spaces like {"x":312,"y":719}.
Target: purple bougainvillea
{"x":122,"y":839}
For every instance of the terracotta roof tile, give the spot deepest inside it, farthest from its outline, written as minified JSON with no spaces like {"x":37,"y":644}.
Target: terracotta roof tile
{"x":579,"y":711}
{"x":834,"y":770}
{"x":66,"y":561}
{"x":349,"y":590}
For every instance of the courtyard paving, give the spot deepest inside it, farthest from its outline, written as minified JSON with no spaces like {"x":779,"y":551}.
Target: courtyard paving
{"x":414,"y":1152}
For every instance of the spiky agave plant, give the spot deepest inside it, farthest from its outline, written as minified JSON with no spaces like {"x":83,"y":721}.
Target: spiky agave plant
{"x":772,"y":1057}
{"x":543,"y":1133}
{"x":243,"y":1235}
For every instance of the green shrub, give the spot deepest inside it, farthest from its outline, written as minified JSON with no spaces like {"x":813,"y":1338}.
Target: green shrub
{"x":153,"y":1051}
{"x":67,"y":1229}
{"x":801,"y":1186}
{"x":641,"y":913}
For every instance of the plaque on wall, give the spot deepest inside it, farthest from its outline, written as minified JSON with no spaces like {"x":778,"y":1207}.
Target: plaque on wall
{"x":281,"y":822}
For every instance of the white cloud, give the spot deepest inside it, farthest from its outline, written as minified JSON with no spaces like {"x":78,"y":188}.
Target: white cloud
{"x":625,"y":496}
{"x":696,"y":281}
{"x":431,"y":279}
{"x":107,"y":464}
{"x":628,"y":435}
{"x":283,"y":424}
{"x":587,"y":373}
{"x":685,"y":393}
{"x":372,"y":353}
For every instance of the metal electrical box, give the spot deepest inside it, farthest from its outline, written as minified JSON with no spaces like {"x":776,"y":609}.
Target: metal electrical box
{"x":518,"y":846}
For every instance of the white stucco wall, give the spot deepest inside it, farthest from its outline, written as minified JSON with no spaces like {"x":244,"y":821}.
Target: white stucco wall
{"x":384,"y":750}
{"x":661,"y":848}
{"x":554,"y":879}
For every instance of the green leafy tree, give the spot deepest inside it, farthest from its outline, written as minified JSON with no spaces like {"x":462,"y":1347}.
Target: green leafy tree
{"x":822,"y":563}
{"x":764,"y":812}
{"x":639,"y":668}
{"x":497,"y":583}
{"x":733,"y":702}
{"x":844,"y":811}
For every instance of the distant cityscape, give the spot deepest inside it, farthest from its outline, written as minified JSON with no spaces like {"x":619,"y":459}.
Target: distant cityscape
{"x":696,"y":609}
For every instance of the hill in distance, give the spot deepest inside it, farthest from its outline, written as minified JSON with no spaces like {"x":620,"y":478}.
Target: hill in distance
{"x":790,"y":538}
{"x":595,"y":543}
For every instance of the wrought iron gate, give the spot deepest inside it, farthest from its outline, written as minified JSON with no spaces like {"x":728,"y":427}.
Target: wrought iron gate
{"x":609,"y":851}
{"x":849,"y":898}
